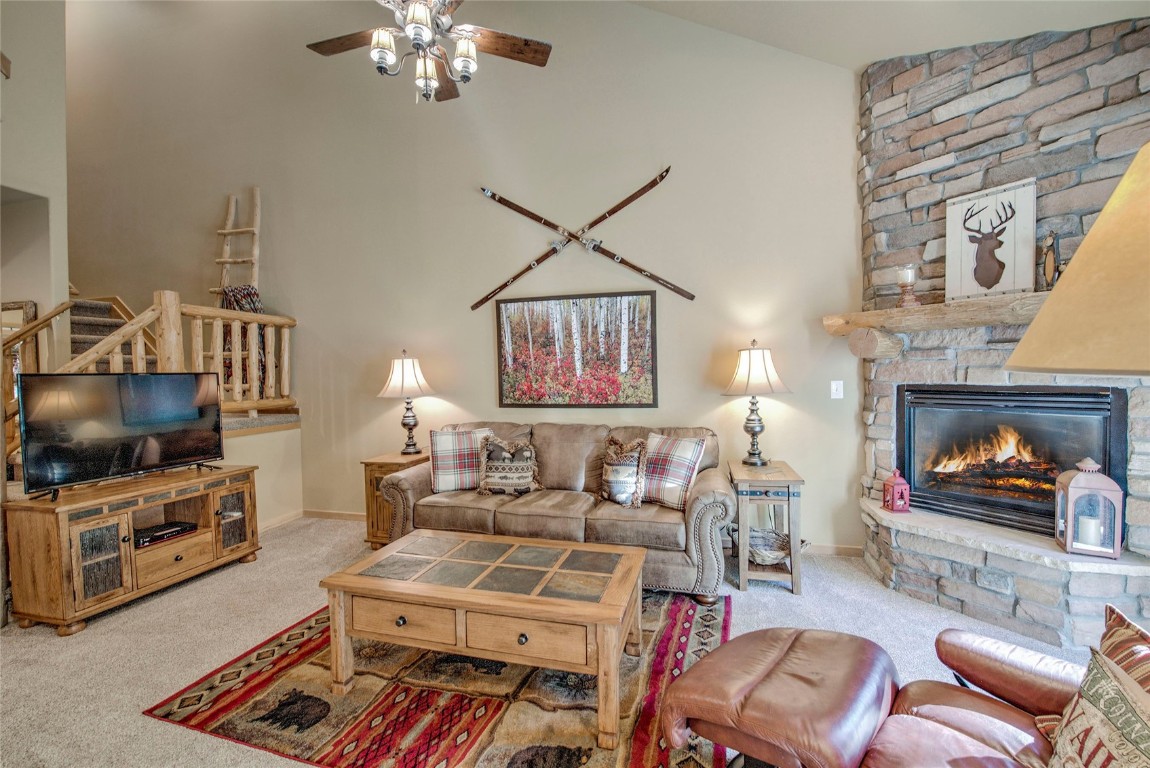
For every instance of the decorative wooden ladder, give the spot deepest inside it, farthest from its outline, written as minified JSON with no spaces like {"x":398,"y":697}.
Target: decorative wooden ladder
{"x":230,"y":230}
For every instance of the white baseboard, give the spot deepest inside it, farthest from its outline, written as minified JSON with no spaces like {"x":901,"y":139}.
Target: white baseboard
{"x":336,"y":514}
{"x":835,"y":550}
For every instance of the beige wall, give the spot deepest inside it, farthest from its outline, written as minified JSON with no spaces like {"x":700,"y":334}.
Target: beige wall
{"x":279,"y":481}
{"x":376,"y":236}
{"x":32,"y":145}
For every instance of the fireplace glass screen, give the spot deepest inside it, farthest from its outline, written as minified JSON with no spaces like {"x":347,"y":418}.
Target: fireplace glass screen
{"x":993,"y":454}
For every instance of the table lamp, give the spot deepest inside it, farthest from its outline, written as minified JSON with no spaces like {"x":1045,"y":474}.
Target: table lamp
{"x":406,"y":381}
{"x":754,"y":376}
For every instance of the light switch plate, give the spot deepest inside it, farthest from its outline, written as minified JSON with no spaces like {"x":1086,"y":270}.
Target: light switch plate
{"x":836,"y":390}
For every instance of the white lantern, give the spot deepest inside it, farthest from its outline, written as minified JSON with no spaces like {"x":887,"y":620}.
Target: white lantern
{"x":1088,"y":511}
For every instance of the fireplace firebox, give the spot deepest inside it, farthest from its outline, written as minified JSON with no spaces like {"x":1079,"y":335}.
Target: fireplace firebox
{"x":993,"y":453}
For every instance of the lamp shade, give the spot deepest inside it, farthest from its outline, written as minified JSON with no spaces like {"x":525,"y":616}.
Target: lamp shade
{"x":56,"y":405}
{"x":755,"y":374}
{"x":405,"y":379}
{"x":1096,"y":320}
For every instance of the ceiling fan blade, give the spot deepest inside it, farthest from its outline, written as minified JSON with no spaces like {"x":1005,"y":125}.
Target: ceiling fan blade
{"x":447,"y":88}
{"x":508,"y":46}
{"x":342,"y":43}
{"x":452,"y":6}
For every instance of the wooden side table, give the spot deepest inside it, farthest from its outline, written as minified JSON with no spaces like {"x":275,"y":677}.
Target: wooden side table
{"x":379,"y":512}
{"x":775,"y":485}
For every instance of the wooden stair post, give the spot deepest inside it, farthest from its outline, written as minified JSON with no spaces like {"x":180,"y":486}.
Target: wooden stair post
{"x":230,"y":230}
{"x":169,"y":333}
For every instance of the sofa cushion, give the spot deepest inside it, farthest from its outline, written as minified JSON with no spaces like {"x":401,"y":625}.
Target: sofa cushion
{"x":458,"y":511}
{"x":651,"y":526}
{"x":455,"y":460}
{"x":710,"y":447}
{"x":1005,"y":729}
{"x":504,"y":430}
{"x":546,"y":514}
{"x":507,"y":467}
{"x":672,"y":464}
{"x":623,"y":472}
{"x":905,"y":740}
{"x":1107,"y":722}
{"x":570,"y":455}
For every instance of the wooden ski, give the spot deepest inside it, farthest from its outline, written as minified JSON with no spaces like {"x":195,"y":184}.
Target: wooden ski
{"x":571,"y":237}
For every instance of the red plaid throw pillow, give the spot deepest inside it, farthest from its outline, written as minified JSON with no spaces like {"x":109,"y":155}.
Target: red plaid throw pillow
{"x":671,"y":466}
{"x":456,"y":462}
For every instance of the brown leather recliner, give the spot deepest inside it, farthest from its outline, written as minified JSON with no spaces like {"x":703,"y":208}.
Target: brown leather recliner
{"x":797,"y":698}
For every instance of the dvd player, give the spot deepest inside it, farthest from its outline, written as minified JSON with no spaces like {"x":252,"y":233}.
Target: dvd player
{"x":162,"y":532}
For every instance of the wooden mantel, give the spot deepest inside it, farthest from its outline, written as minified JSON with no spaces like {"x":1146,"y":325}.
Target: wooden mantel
{"x":1007,"y":309}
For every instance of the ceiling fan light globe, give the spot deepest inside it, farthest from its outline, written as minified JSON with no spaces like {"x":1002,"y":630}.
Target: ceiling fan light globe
{"x":426,"y":78}
{"x":418,"y":25}
{"x":465,"y":61}
{"x":383,"y":47}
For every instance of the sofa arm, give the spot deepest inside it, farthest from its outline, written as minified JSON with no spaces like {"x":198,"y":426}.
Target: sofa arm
{"x":1032,"y":681}
{"x":401,"y":490}
{"x":710,"y":505}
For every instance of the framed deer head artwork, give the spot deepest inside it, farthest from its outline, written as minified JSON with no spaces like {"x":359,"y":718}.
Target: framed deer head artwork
{"x":990,"y":243}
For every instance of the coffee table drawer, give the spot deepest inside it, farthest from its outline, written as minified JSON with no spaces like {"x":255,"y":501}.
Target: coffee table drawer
{"x":403,"y":621}
{"x":543,"y":640}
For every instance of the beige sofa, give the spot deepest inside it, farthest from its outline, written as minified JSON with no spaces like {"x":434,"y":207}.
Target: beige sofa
{"x":684,"y":552}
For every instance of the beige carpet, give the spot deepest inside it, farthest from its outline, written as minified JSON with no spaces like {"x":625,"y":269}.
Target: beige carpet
{"x":77,"y":701}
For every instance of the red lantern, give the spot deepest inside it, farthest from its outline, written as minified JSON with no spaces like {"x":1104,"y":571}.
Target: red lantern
{"x":895,"y":493}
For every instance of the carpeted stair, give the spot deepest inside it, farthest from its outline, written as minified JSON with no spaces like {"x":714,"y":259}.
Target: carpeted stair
{"x":92,"y":322}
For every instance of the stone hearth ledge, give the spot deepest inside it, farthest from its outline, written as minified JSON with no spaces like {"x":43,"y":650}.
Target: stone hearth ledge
{"x":1017,"y":580}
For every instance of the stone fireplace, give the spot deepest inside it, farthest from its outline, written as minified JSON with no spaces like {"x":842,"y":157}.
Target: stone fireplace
{"x":993,"y":453}
{"x":1014,"y":577}
{"x":1068,"y":109}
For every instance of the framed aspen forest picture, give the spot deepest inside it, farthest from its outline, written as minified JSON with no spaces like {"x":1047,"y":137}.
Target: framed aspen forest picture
{"x":587,"y":351}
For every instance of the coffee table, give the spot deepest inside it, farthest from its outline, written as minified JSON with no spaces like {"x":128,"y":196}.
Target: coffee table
{"x":556,"y":604}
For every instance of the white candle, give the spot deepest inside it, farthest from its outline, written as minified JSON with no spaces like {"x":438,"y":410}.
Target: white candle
{"x":1090,"y":531}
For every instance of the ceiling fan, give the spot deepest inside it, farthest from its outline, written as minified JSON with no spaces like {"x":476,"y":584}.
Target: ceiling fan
{"x":427,"y":24}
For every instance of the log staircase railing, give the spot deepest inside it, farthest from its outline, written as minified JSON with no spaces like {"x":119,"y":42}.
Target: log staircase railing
{"x":252,"y":359}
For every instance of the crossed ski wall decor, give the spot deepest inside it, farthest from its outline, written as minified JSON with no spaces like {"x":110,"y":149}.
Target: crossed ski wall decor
{"x":591,"y":245}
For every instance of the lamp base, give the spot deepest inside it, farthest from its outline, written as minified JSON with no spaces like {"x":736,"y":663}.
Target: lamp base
{"x":753,"y":426}
{"x":410,"y":423}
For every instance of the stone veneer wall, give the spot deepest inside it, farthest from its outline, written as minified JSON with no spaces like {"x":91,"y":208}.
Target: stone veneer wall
{"x":1070,"y":109}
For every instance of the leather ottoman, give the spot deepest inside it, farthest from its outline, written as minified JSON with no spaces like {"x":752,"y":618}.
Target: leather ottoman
{"x":790,"y":697}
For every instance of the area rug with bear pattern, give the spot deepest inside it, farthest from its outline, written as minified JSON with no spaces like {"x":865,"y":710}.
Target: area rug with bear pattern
{"x":412,"y":708}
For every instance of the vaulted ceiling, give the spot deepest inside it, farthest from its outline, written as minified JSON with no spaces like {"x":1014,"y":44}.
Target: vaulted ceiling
{"x":854,"y":33}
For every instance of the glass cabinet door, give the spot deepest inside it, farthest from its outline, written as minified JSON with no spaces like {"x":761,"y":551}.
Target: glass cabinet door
{"x":101,"y":560}
{"x":233,"y":520}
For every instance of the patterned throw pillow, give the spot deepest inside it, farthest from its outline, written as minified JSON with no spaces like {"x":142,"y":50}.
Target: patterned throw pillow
{"x":1127,"y":645}
{"x":508,"y":468}
{"x":1106,"y":723}
{"x":455,"y":460}
{"x":623,"y":467}
{"x":670,"y":468}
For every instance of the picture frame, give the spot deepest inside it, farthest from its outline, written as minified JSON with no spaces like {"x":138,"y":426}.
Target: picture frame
{"x":579,"y":351}
{"x":990,"y":241}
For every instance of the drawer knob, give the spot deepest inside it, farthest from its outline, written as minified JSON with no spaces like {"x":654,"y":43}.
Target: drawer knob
{"x":219,"y":513}
{"x":125,"y":539}
{"x":401,"y":621}
{"x":523,"y":638}
{"x":179,"y":558}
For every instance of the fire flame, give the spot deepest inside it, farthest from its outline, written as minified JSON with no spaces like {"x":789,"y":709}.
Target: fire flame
{"x":999,"y":447}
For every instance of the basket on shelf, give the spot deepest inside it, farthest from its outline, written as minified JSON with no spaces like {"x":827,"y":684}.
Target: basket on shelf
{"x":766,"y":545}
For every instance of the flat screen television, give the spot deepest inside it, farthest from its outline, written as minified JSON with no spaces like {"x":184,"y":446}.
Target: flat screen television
{"x":85,"y":427}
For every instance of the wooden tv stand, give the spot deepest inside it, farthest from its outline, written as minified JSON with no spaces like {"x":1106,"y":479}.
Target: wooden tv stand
{"x":76,"y":556}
